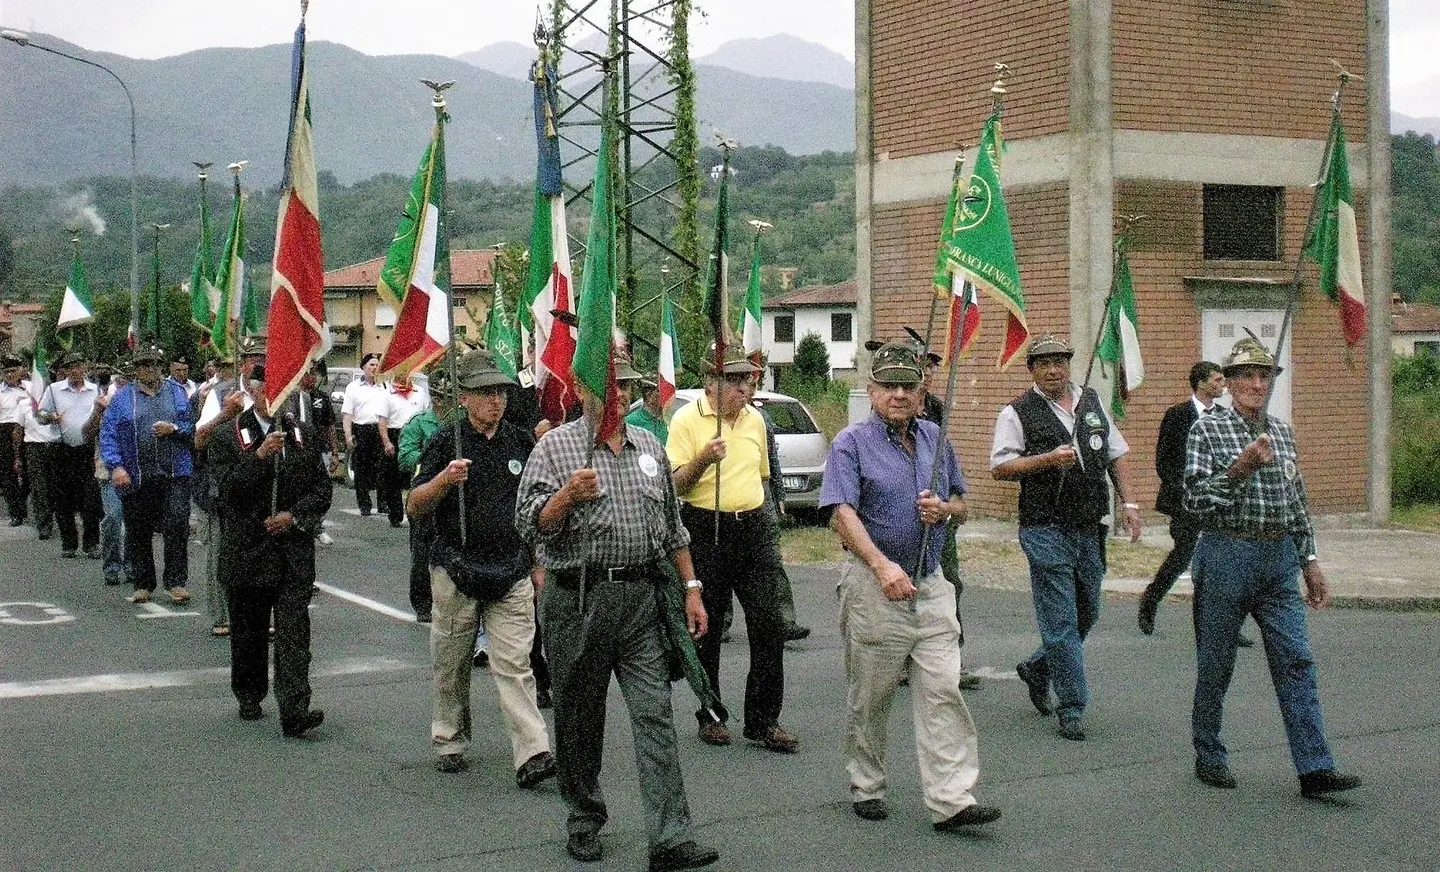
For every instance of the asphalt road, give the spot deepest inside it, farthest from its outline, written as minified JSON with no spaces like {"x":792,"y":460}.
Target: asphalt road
{"x":122,"y":751}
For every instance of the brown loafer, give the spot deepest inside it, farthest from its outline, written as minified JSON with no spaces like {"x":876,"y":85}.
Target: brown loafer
{"x":714,"y":733}
{"x":775,"y":738}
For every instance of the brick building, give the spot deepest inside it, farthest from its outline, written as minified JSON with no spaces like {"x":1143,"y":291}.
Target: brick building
{"x":1209,"y":116}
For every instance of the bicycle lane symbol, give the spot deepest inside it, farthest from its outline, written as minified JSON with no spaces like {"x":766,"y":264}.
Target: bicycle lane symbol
{"x":33,"y":614}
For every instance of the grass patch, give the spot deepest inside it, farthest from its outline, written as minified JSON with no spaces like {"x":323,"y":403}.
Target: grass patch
{"x":801,"y":544}
{"x":1422,"y":518}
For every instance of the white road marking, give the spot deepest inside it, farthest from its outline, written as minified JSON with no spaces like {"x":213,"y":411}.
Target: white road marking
{"x":183,"y":678}
{"x":52,"y":614}
{"x":155,"y":610}
{"x":366,"y":602}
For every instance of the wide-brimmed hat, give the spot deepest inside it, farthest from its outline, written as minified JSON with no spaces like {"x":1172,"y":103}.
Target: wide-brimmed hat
{"x":1250,"y":352}
{"x":68,"y":359}
{"x":147,"y":354}
{"x":1047,"y":345}
{"x":897,"y":363}
{"x":477,"y":370}
{"x":253,"y":346}
{"x":736,"y":363}
{"x":624,"y":371}
{"x":928,"y":357}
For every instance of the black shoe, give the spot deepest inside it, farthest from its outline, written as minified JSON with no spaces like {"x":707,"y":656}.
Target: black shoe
{"x":365,"y":513}
{"x":481,"y":658}
{"x":451,"y":764}
{"x":535,"y":770}
{"x":395,"y":522}
{"x":686,"y":855}
{"x":584,"y":847}
{"x":46,"y":536}
{"x":422,"y":617}
{"x":1039,"y":685}
{"x":1319,"y":783}
{"x":114,"y":580}
{"x":1072,"y":729}
{"x":298,"y":726}
{"x":1147,"y":617}
{"x":67,"y":553}
{"x":251,"y":711}
{"x":543,"y":699}
{"x":871,"y":809}
{"x":16,"y":522}
{"x":1244,"y":641}
{"x":795,"y":632}
{"x":1215,"y":775}
{"x":969,"y":817}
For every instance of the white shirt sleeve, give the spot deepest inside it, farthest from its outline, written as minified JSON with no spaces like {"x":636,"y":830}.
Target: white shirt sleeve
{"x":1009,"y":442}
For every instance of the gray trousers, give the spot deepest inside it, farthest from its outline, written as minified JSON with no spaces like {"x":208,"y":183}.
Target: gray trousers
{"x":618,"y":634}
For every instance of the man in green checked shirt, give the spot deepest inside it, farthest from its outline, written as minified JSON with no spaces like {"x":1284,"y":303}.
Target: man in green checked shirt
{"x":1242,"y":479}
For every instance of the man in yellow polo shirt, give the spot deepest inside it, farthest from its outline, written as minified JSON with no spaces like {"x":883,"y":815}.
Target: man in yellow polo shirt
{"x":734,"y":550}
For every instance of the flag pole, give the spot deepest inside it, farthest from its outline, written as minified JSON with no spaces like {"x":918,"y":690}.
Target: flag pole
{"x":232,"y":325}
{"x":935,"y":293}
{"x":437,"y":102}
{"x":950,"y":383}
{"x":726,"y":146}
{"x":1336,"y":100}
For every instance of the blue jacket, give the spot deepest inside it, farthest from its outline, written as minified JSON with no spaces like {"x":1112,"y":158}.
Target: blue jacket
{"x":120,"y":446}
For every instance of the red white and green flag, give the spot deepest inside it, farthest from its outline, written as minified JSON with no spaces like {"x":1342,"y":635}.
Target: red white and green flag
{"x":750,"y":319}
{"x":717,"y":283}
{"x":77,"y":306}
{"x":549,"y":344}
{"x":298,"y":332}
{"x":669,"y":363}
{"x":962,"y":323}
{"x":230,"y":279}
{"x":1120,"y":343}
{"x":39,"y":374}
{"x":981,"y":245}
{"x":416,"y":276}
{"x":595,"y":348}
{"x":1334,"y":244}
{"x":203,"y":292}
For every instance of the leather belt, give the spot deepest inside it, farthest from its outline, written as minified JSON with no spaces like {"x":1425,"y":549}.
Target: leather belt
{"x":570,"y":578}
{"x":1263,"y":535}
{"x":739,"y":516}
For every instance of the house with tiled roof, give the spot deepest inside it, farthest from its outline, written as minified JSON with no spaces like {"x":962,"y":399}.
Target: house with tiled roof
{"x":828,"y":311}
{"x":362,"y":322}
{"x":1414,"y":327}
{"x":19,"y":323}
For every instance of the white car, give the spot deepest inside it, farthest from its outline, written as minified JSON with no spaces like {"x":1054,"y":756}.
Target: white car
{"x":801,"y":443}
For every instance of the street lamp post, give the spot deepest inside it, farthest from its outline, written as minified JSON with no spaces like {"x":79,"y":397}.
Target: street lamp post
{"x":21,"y":38}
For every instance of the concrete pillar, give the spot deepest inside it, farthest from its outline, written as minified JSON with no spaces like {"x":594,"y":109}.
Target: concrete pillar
{"x":864,"y":184}
{"x":1378,"y":281}
{"x":1092,"y":181}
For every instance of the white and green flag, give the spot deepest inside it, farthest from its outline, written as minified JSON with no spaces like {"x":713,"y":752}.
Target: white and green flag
{"x":1120,"y":344}
{"x":750,"y":320}
{"x":78,"y":305}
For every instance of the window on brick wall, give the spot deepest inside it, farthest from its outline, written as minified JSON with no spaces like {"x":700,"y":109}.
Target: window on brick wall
{"x":841,"y":328}
{"x":784,"y":328}
{"x":1242,"y":222}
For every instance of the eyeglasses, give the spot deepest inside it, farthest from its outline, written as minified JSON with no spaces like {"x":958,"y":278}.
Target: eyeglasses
{"x":739,"y":379}
{"x":897,"y":386}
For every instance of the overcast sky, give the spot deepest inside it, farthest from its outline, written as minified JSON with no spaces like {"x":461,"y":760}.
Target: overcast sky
{"x":158,"y":28}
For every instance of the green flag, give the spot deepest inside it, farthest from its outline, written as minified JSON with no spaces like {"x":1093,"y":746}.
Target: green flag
{"x":230,"y":279}
{"x":594,"y":351}
{"x":253,"y":310}
{"x":1120,"y":343}
{"x":751,"y":319}
{"x":944,"y":268}
{"x":202,"y":274}
{"x":982,"y":246}
{"x":501,"y":336}
{"x":78,"y":305}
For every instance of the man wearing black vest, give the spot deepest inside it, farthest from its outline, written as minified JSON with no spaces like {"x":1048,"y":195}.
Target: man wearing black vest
{"x":1057,"y":441}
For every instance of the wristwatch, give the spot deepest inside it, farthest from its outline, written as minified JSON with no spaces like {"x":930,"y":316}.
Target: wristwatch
{"x":694,"y":584}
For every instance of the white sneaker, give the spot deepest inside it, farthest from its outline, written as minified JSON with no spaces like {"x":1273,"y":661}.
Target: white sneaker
{"x":324,"y":538}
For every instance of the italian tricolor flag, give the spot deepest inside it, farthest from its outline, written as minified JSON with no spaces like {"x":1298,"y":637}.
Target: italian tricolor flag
{"x":78,"y":305}
{"x":416,"y":276}
{"x":751,"y":318}
{"x":669,"y":352}
{"x":1335,"y":243}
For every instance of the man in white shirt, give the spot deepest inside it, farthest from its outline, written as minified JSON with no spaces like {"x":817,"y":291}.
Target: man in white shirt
{"x":13,"y":400}
{"x":40,"y":440}
{"x":403,"y":401}
{"x":71,"y":405}
{"x":366,"y":400}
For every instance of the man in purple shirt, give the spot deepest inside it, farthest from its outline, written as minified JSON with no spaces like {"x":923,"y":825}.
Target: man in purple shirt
{"x":878,"y":478}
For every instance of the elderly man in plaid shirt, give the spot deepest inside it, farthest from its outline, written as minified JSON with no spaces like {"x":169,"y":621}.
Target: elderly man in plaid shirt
{"x":1242,"y":479}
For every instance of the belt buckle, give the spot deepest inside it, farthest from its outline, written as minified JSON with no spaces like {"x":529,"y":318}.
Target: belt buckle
{"x":610,"y":572}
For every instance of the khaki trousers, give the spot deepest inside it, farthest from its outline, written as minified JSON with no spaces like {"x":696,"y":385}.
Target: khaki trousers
{"x":879,"y":637}
{"x":510,"y":624}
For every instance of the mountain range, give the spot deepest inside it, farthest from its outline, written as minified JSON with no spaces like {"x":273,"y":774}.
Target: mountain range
{"x":59,"y":121}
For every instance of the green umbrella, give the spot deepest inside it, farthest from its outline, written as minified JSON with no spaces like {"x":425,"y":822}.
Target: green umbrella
{"x":680,"y":648}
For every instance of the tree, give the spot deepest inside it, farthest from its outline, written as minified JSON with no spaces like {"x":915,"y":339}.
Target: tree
{"x":812,"y":359}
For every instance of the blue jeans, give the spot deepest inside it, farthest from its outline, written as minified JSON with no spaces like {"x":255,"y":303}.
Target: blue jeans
{"x":112,"y":532}
{"x":1233,"y":578}
{"x":1067,"y":565}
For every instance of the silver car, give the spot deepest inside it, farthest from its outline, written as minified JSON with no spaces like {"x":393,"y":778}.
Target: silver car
{"x":801,"y":443}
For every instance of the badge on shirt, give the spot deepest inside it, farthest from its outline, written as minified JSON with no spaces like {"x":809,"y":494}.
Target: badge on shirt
{"x":1290,"y":470}
{"x":515,"y":466}
{"x":1092,"y":421}
{"x":526,"y":378}
{"x":649,"y":466}
{"x":1096,"y":441}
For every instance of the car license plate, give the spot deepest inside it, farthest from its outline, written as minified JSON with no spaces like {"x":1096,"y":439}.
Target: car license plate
{"x":793,"y":482}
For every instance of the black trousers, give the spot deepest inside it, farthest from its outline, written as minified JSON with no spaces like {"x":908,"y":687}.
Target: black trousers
{"x":12,"y":481}
{"x":1185,"y":532}
{"x":365,"y":463}
{"x":74,"y":489}
{"x":422,"y":531}
{"x":743,"y":563}
{"x":250,"y":610}
{"x":159,"y":505}
{"x":391,"y":480}
{"x":39,"y":471}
